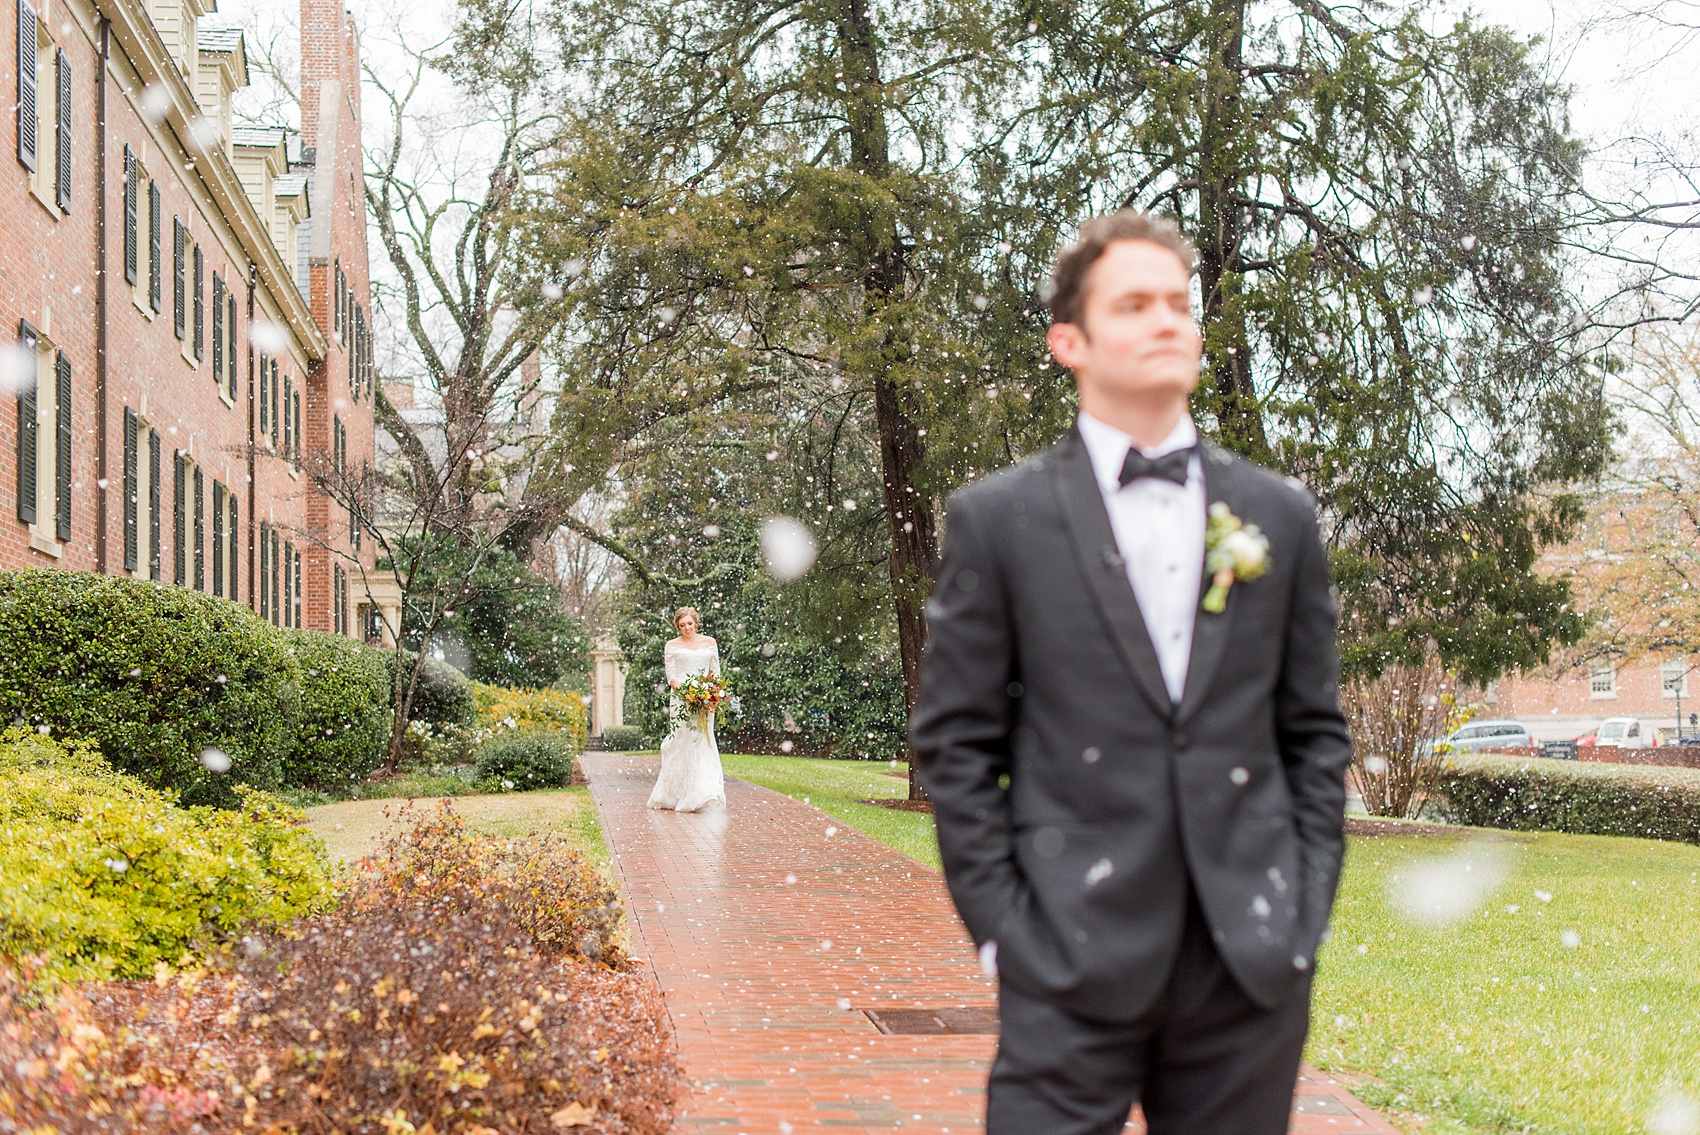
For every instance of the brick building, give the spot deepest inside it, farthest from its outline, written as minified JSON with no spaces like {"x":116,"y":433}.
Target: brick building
{"x":190,"y":304}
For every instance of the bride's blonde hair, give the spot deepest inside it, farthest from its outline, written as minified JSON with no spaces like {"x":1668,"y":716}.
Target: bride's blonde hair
{"x":682,"y":612}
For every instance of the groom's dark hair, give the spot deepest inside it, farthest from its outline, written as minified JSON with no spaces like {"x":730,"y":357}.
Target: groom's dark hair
{"x":1068,"y":277}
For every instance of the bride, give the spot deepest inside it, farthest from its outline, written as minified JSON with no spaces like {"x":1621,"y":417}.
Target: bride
{"x":690,"y":777}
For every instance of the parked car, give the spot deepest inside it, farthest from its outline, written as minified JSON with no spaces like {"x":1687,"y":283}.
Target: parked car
{"x":1588,"y":739}
{"x":1489,"y":735}
{"x":1625,"y":732}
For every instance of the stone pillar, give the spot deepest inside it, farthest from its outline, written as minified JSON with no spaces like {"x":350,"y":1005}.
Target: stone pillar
{"x":608,"y":686}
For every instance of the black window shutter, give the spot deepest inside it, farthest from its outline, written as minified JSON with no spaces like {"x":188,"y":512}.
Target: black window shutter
{"x":153,"y":504}
{"x":232,"y":591}
{"x":200,"y":302}
{"x":265,"y":562}
{"x":230,"y":347}
{"x":277,"y":609}
{"x":277,"y":407}
{"x":295,"y":452}
{"x":295,"y":604}
{"x":132,"y":467}
{"x":130,"y":176}
{"x":26,"y":86}
{"x":218,"y":329}
{"x":265,"y":397}
{"x":200,"y":503}
{"x":218,"y":537}
{"x":179,"y":520}
{"x":62,"y":448}
{"x":62,"y":136}
{"x":179,"y":299}
{"x":28,"y":431}
{"x":288,"y":581}
{"x":288,"y":423}
{"x":153,"y":246}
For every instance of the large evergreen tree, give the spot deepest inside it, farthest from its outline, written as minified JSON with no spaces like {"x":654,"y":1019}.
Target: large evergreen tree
{"x":756,"y":200}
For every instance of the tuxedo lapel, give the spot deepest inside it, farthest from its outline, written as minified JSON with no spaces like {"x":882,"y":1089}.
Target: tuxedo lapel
{"x":1106,"y":574}
{"x":1209,"y":631}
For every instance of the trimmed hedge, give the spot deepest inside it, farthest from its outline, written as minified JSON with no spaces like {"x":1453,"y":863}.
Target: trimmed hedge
{"x":345,"y":710}
{"x":622,"y":738}
{"x":153,"y":674}
{"x":443,"y":695}
{"x":105,"y":877}
{"x":502,"y":708}
{"x":530,"y":758}
{"x":1564,"y":796}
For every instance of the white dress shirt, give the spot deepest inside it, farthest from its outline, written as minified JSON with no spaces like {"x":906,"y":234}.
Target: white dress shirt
{"x":1159,"y":529}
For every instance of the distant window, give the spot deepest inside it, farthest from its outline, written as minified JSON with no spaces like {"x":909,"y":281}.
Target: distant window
{"x":1602,"y":682}
{"x":1673,"y":679}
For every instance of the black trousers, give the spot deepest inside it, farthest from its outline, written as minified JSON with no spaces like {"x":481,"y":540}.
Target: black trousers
{"x":1204,"y":1060}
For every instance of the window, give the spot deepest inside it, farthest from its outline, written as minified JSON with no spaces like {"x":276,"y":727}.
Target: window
{"x":44,"y":96}
{"x":295,"y":451}
{"x":288,"y":425}
{"x":1673,"y":679}
{"x":1602,"y":681}
{"x":44,"y":442}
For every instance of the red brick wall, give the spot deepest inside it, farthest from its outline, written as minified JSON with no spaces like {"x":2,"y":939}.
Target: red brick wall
{"x":49,"y":271}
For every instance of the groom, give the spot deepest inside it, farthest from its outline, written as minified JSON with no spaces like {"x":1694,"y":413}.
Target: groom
{"x":1139,"y":789}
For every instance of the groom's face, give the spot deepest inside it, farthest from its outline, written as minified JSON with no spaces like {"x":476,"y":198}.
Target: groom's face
{"x":1136,"y":335}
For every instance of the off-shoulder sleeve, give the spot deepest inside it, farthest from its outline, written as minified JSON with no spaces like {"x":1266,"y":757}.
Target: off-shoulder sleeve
{"x":670,"y":659}
{"x":714,"y":660}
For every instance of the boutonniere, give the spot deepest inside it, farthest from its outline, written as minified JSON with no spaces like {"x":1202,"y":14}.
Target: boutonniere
{"x":1233,"y":551}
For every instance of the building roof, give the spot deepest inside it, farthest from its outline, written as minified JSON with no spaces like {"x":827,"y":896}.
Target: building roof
{"x":217,"y":37}
{"x":267,"y":136}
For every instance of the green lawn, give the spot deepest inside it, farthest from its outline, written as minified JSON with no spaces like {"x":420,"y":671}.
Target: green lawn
{"x":353,"y":828}
{"x":835,"y":787}
{"x":1491,"y":1024}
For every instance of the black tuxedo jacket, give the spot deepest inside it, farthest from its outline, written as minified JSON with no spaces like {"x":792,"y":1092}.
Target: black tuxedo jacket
{"x":1076,"y":802}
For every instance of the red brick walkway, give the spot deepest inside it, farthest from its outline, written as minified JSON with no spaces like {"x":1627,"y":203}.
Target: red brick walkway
{"x":771,"y":929}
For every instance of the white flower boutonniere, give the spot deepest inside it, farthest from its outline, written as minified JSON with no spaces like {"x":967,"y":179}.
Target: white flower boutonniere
{"x":1233,"y":551}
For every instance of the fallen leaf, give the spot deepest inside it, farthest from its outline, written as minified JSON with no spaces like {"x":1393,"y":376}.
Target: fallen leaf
{"x":574,"y":1114}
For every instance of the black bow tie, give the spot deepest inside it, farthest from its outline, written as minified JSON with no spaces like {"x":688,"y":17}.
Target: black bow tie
{"x":1170,"y":466}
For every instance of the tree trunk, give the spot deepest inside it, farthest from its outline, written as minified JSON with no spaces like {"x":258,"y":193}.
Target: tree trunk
{"x":1221,"y":229}
{"x":909,"y":513}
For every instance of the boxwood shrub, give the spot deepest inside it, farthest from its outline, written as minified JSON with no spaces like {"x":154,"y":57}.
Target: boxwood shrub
{"x":1561,"y":796}
{"x":443,"y":695}
{"x":153,"y":674}
{"x":619,"y":738}
{"x":345,"y":711}
{"x":527,"y":758}
{"x":105,"y":877}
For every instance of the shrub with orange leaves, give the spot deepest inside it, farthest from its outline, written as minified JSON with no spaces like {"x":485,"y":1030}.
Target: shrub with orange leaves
{"x":466,"y":985}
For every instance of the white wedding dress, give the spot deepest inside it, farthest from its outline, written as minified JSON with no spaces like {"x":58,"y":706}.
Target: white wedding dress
{"x":690,"y":777}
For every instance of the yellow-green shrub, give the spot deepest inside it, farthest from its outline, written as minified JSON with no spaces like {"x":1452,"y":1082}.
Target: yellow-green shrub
{"x":106,"y":877}
{"x":501,"y":709}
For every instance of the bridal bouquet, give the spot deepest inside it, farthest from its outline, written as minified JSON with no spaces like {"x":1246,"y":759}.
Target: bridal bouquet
{"x":701,"y":695}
